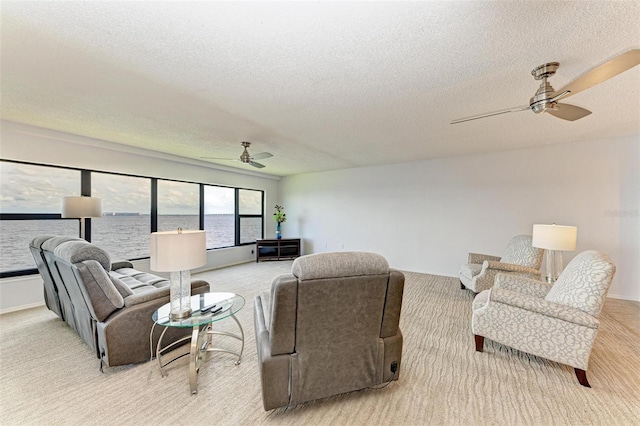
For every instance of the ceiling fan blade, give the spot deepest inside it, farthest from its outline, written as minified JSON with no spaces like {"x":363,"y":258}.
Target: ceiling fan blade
{"x":489,"y":114}
{"x":258,"y":165}
{"x":604,"y":72}
{"x":262,"y":155}
{"x":559,"y":95}
{"x":568,"y":112}
{"x":219,"y":158}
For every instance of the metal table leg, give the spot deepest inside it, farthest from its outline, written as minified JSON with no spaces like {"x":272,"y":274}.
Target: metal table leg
{"x":201,"y":342}
{"x":194,"y":360}
{"x":160,"y":350}
{"x":240,"y":337}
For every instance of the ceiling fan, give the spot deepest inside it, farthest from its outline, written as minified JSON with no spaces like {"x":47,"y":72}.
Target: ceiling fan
{"x":546,"y":98}
{"x":245,"y":157}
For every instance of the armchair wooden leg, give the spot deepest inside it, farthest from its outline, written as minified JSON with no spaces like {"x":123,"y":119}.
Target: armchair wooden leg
{"x":582,"y":377}
{"x":480,"y":344}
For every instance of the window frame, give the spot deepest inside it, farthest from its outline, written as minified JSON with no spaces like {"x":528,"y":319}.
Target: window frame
{"x":239,"y":216}
{"x":85,"y":189}
{"x":235,"y":214}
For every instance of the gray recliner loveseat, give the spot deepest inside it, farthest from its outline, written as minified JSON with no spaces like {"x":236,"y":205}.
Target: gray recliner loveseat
{"x":108,"y":304}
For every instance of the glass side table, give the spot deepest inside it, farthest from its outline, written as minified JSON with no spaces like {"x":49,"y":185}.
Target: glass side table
{"x":221,"y":306}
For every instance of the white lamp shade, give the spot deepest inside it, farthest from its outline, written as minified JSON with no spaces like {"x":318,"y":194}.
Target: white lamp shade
{"x":555,"y":237}
{"x":178,"y":250}
{"x":81,"y":207}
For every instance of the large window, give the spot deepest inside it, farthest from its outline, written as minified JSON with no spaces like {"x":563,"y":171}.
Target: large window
{"x":250,"y":215}
{"x":123,"y":229}
{"x":219,"y":216}
{"x":133,"y":207}
{"x":178,"y":205}
{"x":31,"y":205}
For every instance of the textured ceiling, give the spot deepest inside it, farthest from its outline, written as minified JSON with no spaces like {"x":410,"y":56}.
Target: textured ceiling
{"x":321,"y":85}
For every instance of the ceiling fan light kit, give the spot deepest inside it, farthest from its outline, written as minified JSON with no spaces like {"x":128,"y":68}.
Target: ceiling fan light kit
{"x":546,"y":98}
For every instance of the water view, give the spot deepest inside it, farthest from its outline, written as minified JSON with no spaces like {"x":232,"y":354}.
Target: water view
{"x":122,"y":236}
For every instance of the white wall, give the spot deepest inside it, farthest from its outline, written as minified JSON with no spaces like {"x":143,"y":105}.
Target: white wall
{"x":32,"y":144}
{"x":426,"y":216}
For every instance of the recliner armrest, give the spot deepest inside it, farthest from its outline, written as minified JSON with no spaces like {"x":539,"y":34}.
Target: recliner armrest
{"x":274,"y":369}
{"x":479,"y":258}
{"x":522,"y":285}
{"x":157,"y":293}
{"x":145,"y":296}
{"x":284,"y":306}
{"x":543,"y":307}
{"x":508,"y":267}
{"x":393,"y":304}
{"x":121,"y":264}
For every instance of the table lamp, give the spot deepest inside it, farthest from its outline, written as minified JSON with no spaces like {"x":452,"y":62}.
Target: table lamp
{"x":81,"y":208}
{"x":178,"y":252}
{"x":554,"y":239}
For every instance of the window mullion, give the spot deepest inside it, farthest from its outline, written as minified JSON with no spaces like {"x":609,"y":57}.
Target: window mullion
{"x":201,"y":214}
{"x":154,"y":205}
{"x":237,"y":215}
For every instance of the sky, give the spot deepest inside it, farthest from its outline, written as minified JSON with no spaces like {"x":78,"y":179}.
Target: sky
{"x":32,"y":189}
{"x":37,"y":189}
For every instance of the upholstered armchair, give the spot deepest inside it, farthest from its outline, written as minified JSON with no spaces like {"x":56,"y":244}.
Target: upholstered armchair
{"x":329,"y":327}
{"x":519,"y":258}
{"x":558,"y":322}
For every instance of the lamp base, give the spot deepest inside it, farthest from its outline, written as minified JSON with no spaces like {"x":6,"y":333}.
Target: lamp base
{"x":554,"y":265}
{"x":180,"y":295}
{"x":180,"y":315}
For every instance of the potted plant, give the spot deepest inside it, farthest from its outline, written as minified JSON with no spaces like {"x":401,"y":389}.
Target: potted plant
{"x":279,"y":216}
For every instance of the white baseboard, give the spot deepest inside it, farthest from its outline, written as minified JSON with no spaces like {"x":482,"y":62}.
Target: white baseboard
{"x":21,"y":308}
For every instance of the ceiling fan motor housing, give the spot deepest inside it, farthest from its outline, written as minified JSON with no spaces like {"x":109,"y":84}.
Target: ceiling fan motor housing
{"x":542,"y":99}
{"x":245,"y":157}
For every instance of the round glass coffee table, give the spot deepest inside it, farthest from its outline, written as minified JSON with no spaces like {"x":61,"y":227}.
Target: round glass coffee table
{"x":206,"y":308}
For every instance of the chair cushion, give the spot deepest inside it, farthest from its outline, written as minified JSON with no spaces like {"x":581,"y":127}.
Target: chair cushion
{"x":122,"y":288}
{"x":103,"y":294}
{"x":470,"y":270}
{"x":521,"y":252}
{"x":584,"y":283}
{"x":134,"y":278}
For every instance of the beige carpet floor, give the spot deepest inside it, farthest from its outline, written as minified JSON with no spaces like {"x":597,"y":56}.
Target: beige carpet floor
{"x":48,"y":376}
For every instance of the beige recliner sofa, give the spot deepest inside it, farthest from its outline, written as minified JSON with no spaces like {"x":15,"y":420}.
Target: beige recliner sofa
{"x":331,"y":326}
{"x":108,"y":304}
